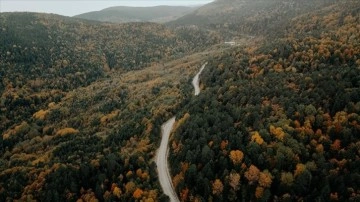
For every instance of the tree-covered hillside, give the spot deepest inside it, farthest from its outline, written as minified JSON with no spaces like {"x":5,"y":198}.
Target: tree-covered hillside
{"x":79,"y":117}
{"x":44,"y":56}
{"x":97,"y":142}
{"x":277,"y":121}
{"x":235,"y":18}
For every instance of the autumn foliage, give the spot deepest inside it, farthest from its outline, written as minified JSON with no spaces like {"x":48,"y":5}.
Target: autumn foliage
{"x":282,"y":114}
{"x":217,"y":187}
{"x":252,"y":174}
{"x":236,"y":156}
{"x":138,"y":193}
{"x":66,"y":131}
{"x":277,"y":118}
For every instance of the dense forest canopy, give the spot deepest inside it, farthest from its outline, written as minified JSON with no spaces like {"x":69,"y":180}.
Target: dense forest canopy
{"x":43,"y":56}
{"x":238,"y":18}
{"x":82,"y":103}
{"x":277,"y":121}
{"x":73,"y":92}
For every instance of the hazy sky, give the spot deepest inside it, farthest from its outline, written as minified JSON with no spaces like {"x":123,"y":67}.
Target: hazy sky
{"x":73,"y":7}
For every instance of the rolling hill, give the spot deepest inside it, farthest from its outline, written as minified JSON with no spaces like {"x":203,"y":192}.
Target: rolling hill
{"x":121,"y":14}
{"x":233,"y":18}
{"x":46,"y":55}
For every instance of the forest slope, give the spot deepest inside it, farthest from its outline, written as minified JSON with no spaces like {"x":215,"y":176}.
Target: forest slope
{"x":80,"y":113}
{"x":97,"y":142}
{"x":234,"y":18}
{"x":277,"y":121}
{"x":44,"y":56}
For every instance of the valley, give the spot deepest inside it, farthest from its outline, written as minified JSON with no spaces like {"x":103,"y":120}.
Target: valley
{"x":87,"y":108}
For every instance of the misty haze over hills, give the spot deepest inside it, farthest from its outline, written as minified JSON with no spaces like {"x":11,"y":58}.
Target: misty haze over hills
{"x":71,"y":8}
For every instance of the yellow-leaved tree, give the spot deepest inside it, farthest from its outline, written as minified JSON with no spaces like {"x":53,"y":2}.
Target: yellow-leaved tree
{"x":252,"y":174}
{"x":259,"y":192}
{"x":236,"y":156}
{"x":300,"y":168}
{"x":117,"y":192}
{"x":138,"y":193}
{"x":257,"y":138}
{"x":217,"y":187}
{"x":277,"y":132}
{"x":40,"y":114}
{"x":287,"y":178}
{"x":66,"y":131}
{"x":234,"y":180}
{"x":265,"y":178}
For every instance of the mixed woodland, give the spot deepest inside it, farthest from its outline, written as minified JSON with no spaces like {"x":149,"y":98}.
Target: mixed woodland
{"x":79,"y":108}
{"x":45,"y":56}
{"x":239,"y":18}
{"x":278,"y":117}
{"x":277,"y":121}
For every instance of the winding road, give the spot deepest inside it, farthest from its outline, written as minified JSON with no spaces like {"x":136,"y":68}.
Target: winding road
{"x":162,"y":154}
{"x":162,"y":163}
{"x":196,"y":82}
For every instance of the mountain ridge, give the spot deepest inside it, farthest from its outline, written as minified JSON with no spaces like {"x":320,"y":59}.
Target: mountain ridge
{"x":121,"y":14}
{"x":259,"y":17}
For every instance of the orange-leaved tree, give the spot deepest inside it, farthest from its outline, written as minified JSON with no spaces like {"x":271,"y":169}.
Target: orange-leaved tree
{"x":217,"y":187}
{"x":234,"y":180}
{"x":236,"y":156}
{"x":252,"y":174}
{"x":257,"y":138}
{"x":265,"y":178}
{"x":138,"y":193}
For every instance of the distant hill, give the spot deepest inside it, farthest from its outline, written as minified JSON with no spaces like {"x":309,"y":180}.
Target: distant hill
{"x":122,"y":14}
{"x":252,"y":17}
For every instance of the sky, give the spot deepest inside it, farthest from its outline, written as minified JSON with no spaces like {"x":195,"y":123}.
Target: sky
{"x":74,"y":7}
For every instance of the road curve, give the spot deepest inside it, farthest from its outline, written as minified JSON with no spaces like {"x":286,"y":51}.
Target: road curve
{"x":196,"y":82}
{"x":162,"y":163}
{"x":163,"y":151}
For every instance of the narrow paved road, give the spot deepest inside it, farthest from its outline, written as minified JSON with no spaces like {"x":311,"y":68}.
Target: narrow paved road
{"x":162,"y":154}
{"x":196,"y":82}
{"x":162,"y":163}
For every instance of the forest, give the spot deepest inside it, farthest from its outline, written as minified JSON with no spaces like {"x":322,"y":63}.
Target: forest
{"x":277,"y":119}
{"x":44,"y":56}
{"x":79,"y":99}
{"x":239,"y":18}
